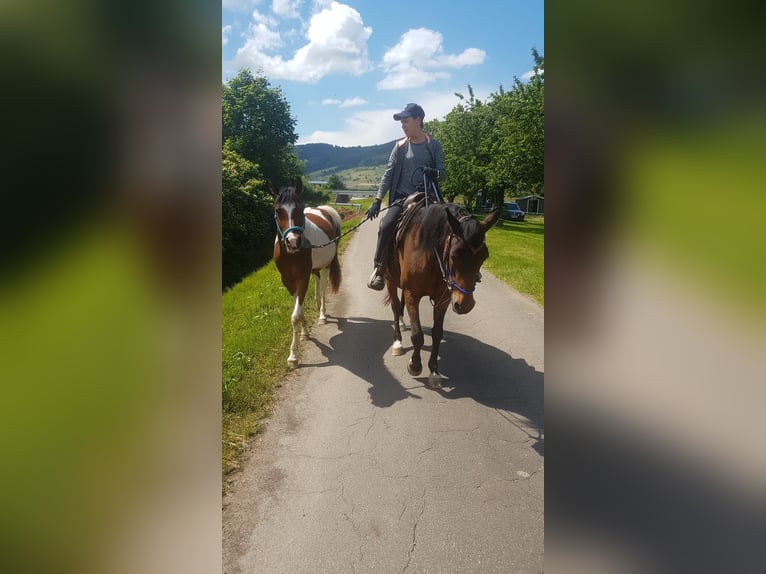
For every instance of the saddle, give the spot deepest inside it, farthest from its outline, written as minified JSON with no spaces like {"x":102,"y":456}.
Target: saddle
{"x":411,"y":205}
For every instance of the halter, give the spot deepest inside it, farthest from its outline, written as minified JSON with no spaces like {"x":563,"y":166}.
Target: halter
{"x":446,"y":271}
{"x":283,"y":234}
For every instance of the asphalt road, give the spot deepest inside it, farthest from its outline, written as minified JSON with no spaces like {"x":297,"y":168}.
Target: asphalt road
{"x":363,"y":469}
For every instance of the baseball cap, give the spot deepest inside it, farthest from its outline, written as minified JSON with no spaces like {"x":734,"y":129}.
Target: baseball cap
{"x":410,"y":111}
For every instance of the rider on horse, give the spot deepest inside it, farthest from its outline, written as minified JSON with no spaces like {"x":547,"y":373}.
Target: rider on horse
{"x":417,"y":151}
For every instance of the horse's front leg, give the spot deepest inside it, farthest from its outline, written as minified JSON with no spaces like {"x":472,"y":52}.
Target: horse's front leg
{"x":414,"y":366}
{"x":434,"y":378}
{"x":298,"y":321}
{"x":320,"y":289}
{"x":396,"y":306}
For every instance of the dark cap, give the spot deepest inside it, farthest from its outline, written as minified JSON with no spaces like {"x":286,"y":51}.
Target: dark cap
{"x":410,"y":111}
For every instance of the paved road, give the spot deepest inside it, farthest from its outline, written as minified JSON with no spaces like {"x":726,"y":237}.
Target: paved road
{"x":363,"y":469}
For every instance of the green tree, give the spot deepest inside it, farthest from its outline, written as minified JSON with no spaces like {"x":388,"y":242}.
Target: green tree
{"x":518,"y":135}
{"x":257,"y":125}
{"x":246,"y":223}
{"x":335,"y":182}
{"x":496,"y":147}
{"x":461,"y":135}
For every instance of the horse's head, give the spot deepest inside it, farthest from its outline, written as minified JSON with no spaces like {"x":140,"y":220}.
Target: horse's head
{"x":288,"y":213}
{"x":465,"y":252}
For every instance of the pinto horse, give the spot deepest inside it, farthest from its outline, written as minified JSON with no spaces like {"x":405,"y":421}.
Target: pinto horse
{"x":438,"y":254}
{"x":306,"y":244}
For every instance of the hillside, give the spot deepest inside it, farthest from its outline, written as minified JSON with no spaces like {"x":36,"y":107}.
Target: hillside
{"x":325,"y":159}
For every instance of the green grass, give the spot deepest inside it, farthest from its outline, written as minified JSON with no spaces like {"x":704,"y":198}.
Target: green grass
{"x":256,"y":335}
{"x":358,"y":178}
{"x":516,"y":255}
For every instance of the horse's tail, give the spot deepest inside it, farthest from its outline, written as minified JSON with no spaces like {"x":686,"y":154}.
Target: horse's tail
{"x":335,"y":276}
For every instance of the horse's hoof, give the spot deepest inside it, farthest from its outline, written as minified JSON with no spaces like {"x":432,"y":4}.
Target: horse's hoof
{"x":322,"y":320}
{"x":397,"y":349}
{"x":413,"y":370}
{"x":304,"y":336}
{"x":435,"y":380}
{"x":292,"y":363}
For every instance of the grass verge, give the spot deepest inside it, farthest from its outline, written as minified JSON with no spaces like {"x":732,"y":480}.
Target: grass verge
{"x":256,"y":335}
{"x":516,"y":255}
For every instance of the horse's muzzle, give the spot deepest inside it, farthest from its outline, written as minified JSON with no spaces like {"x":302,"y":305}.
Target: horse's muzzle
{"x":293,"y":243}
{"x":463,"y":304}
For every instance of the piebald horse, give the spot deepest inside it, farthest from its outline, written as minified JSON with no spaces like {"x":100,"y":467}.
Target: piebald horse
{"x":306,"y":244}
{"x":438,"y":254}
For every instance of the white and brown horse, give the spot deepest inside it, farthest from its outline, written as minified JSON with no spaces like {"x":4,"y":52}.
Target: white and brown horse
{"x":306,"y":244}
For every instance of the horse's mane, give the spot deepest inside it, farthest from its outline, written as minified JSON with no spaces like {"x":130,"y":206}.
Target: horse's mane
{"x":435,"y":225}
{"x":286,"y":194}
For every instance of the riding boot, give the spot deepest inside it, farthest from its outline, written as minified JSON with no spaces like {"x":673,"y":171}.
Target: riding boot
{"x":376,"y":280}
{"x":383,"y":248}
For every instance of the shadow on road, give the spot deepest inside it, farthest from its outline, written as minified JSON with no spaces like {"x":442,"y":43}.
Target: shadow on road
{"x":473,"y":369}
{"x":359,"y":346}
{"x":490,"y":376}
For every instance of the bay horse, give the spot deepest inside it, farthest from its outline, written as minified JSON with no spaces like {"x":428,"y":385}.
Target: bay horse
{"x":438,"y":254}
{"x":306,"y":244}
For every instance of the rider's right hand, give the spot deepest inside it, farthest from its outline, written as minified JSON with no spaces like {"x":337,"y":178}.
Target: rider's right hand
{"x":374,"y":210}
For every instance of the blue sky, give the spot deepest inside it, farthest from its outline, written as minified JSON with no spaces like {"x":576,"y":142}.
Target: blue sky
{"x":345,"y":67}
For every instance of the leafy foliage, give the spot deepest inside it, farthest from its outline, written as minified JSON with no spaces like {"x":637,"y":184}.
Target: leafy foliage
{"x":335,"y":182}
{"x":496,"y":147}
{"x":246,"y":222}
{"x":258,"y":126}
{"x":258,"y":150}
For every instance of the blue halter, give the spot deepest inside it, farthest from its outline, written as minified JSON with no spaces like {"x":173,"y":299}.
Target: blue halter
{"x":298,"y":228}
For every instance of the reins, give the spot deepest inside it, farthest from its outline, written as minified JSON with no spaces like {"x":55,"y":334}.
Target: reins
{"x":444,"y":266}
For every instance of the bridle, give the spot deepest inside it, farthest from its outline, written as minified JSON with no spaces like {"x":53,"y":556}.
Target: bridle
{"x":299,"y":228}
{"x":444,"y":261}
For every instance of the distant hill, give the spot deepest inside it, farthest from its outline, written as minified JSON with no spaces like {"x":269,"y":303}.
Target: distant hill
{"x":328,"y":159}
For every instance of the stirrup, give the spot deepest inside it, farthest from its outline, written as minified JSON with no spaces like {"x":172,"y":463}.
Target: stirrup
{"x":376,"y":280}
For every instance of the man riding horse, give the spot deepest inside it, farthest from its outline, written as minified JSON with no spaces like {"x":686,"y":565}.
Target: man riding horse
{"x":414,"y":153}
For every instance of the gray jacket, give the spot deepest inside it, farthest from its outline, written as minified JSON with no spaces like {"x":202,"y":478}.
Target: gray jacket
{"x":393,"y":173}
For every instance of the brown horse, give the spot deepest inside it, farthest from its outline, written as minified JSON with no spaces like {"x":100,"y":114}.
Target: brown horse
{"x":438,"y":255}
{"x":306,"y":244}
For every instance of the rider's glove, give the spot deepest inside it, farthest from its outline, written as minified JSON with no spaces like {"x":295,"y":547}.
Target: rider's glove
{"x":374,"y":210}
{"x":431,"y":172}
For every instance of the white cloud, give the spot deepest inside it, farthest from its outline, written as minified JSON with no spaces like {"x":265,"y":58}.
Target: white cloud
{"x":286,"y":8}
{"x":526,"y":76}
{"x":239,"y":5}
{"x":337,"y":44}
{"x":360,"y":128}
{"x":419,"y":59}
{"x":352,"y":102}
{"x":225,"y":31}
{"x":375,"y":127}
{"x":347,"y":103}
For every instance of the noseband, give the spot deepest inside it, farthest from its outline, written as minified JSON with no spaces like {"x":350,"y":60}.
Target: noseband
{"x":283,"y":234}
{"x":445,"y":265}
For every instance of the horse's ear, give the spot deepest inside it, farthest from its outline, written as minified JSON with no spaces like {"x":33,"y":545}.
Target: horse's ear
{"x":454,"y":223}
{"x":490,"y":220}
{"x":298,"y":185}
